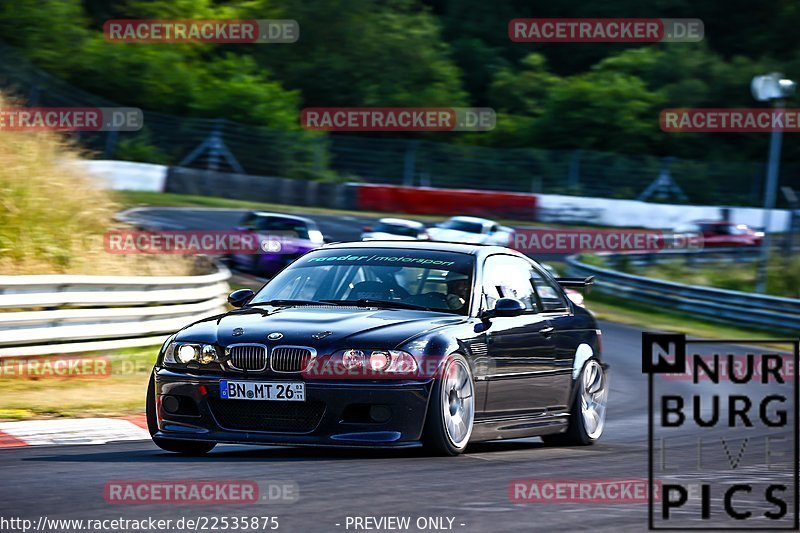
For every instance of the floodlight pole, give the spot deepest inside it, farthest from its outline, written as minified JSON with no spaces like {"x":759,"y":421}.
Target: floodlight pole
{"x":770,"y":191}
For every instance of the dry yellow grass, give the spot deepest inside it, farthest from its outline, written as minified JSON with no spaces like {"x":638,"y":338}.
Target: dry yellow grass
{"x":118,"y":394}
{"x":53,"y":215}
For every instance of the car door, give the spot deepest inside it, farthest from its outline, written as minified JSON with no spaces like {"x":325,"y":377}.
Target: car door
{"x":556,"y":309}
{"x":521,"y":349}
{"x":247,"y":225}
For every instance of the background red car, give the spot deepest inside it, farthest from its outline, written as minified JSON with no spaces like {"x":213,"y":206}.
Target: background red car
{"x":719,"y":233}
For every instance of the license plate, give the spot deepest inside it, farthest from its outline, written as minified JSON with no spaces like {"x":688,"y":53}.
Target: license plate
{"x":285,"y":391}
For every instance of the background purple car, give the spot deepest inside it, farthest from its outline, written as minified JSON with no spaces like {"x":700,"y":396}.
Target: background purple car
{"x":283,"y":239}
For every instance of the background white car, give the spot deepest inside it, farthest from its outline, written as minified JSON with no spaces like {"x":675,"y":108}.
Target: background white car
{"x":395,"y":229}
{"x":472,"y":230}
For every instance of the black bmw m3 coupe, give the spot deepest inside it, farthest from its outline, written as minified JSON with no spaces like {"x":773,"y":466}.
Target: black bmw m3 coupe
{"x":386,"y":344}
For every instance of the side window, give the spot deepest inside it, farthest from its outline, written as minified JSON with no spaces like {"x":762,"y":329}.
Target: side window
{"x":550,"y":294}
{"x":264,"y":223}
{"x":506,"y":276}
{"x":248,"y":221}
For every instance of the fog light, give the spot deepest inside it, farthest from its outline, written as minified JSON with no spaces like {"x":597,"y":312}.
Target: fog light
{"x":171,"y":404}
{"x":380,"y":413}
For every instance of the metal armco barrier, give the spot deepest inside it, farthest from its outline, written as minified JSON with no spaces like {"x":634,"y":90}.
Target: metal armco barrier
{"x":741,"y":308}
{"x":690,"y":257}
{"x":47,"y":314}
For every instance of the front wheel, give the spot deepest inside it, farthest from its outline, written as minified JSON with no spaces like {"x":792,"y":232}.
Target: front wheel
{"x":185,"y":447}
{"x":588,"y":414}
{"x":451,"y":410}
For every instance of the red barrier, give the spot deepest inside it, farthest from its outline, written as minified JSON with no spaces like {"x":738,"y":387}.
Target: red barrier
{"x":429,"y":201}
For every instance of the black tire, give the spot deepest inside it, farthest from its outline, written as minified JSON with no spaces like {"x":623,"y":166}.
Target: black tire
{"x":184,"y":447}
{"x":436,"y":439}
{"x":576,"y":433}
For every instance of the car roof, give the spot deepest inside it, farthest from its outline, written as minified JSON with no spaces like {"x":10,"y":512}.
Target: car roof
{"x":473,"y":219}
{"x":436,"y":246}
{"x":718,"y":222}
{"x":402,"y":222}
{"x":280,"y":215}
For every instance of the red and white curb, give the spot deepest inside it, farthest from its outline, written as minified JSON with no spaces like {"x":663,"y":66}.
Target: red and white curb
{"x":72,"y":431}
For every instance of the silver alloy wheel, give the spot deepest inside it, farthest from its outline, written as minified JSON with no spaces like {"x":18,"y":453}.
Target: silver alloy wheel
{"x":458,"y":403}
{"x":594,"y":396}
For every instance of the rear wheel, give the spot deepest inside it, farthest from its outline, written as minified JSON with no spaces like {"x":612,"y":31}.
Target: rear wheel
{"x":588,"y":414}
{"x":185,"y":447}
{"x":451,"y":410}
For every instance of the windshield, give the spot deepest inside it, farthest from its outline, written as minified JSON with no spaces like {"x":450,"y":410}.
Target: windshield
{"x":462,"y":225}
{"x":396,"y":229}
{"x":290,"y":226}
{"x":439,"y":281}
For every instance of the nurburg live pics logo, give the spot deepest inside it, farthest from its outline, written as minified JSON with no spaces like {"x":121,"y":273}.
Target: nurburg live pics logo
{"x":723,"y":446}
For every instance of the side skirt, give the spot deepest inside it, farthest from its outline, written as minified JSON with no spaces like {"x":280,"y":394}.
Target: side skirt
{"x":518,"y":426}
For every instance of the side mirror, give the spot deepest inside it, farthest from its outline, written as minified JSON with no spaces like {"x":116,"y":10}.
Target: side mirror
{"x":241,"y":297}
{"x":505,"y":307}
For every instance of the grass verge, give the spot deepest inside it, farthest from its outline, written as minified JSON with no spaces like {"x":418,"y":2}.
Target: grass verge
{"x":53,"y":214}
{"x":120,"y":393}
{"x":650,"y":318}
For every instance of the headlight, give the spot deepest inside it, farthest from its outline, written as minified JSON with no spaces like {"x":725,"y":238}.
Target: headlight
{"x":187,"y":353}
{"x":182,"y":353}
{"x":353,"y":359}
{"x":315,"y":236}
{"x":382,"y":361}
{"x":379,"y":361}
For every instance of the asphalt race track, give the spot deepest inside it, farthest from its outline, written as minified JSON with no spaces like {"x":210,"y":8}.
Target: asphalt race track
{"x":334,"y":227}
{"x":472,"y":489}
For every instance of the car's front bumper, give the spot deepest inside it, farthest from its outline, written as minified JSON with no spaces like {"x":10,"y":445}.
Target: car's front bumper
{"x":335,"y":413}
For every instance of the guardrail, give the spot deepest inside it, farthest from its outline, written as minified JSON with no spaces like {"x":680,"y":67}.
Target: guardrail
{"x":689,"y":256}
{"x":722,"y":305}
{"x":66,"y":314}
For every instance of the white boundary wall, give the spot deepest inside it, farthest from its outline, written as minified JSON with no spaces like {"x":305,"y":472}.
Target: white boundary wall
{"x":128,"y":175}
{"x":610,"y":212}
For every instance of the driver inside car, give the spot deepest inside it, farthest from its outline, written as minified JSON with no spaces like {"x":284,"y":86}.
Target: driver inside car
{"x":457,"y":290}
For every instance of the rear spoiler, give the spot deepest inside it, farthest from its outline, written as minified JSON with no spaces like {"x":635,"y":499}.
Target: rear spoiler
{"x":577,"y":283}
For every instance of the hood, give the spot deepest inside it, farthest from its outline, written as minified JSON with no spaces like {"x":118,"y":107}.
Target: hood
{"x":349,"y":327}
